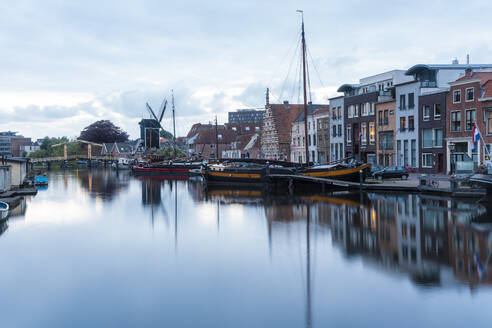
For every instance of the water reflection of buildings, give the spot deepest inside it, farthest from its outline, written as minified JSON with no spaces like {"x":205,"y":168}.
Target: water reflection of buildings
{"x":427,"y":237}
{"x":103,"y":184}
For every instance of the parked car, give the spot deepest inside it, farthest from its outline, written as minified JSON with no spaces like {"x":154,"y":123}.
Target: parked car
{"x":376,"y":168}
{"x":391,"y":172}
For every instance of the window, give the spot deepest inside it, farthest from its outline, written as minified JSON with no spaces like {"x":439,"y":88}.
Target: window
{"x":257,"y":128}
{"x":456,"y":96}
{"x":363,"y":110}
{"x":341,"y":150}
{"x":398,"y":151}
{"x":349,"y":134}
{"x":356,"y":111}
{"x":402,"y":102}
{"x":309,"y":126}
{"x":372,"y":133}
{"x":350,"y":111}
{"x":456,"y":121}
{"x":334,"y":130}
{"x":363,"y":131}
{"x":411,"y":100}
{"x":339,"y":112}
{"x":380,"y":117}
{"x":309,"y":139}
{"x":427,"y":160}
{"x":489,"y":122}
{"x":402,"y":124}
{"x":370,"y":108}
{"x":414,"y":152}
{"x":247,"y":128}
{"x":471,"y":116}
{"x":339,"y":130}
{"x":438,"y":135}
{"x":427,"y":138}
{"x":405,"y":152}
{"x":314,"y":140}
{"x":386,"y":117}
{"x":334,"y":113}
{"x":426,"y":113}
{"x":411,"y":123}
{"x":469,"y":94}
{"x":386,"y":140}
{"x":437,"y":111}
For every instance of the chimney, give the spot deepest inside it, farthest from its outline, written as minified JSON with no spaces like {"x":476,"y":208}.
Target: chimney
{"x":267,"y":98}
{"x":286,"y":104}
{"x":468,"y":59}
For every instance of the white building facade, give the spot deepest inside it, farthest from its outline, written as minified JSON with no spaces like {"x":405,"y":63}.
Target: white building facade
{"x":336,"y":128}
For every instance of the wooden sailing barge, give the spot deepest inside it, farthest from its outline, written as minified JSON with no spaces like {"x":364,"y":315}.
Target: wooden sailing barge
{"x":234,"y":173}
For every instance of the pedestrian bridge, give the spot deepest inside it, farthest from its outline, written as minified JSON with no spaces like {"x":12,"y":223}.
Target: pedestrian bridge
{"x":68,"y":158}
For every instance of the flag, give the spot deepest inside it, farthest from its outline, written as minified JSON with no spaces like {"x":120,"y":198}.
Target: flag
{"x":478,"y":266}
{"x":476,"y":137}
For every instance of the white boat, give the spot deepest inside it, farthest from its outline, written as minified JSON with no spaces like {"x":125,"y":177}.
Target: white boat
{"x":4,"y":210}
{"x":123,"y":164}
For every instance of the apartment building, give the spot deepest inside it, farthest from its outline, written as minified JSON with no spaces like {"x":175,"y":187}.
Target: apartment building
{"x":424,"y":79}
{"x":337,"y":128}
{"x":469,"y":103}
{"x":360,"y":112}
{"x":432,"y":131}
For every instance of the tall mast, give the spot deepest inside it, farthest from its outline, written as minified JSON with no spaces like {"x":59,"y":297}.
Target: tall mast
{"x":216,"y":139}
{"x":304,"y":88}
{"x":174,"y":125}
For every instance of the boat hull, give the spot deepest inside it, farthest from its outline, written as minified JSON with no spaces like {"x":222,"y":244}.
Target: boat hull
{"x":344,"y":174}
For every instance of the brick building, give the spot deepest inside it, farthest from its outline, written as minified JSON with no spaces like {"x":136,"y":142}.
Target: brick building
{"x":432,"y":132}
{"x":276,"y":132}
{"x":322,"y":122}
{"x":469,"y":102}
{"x":385,"y":133}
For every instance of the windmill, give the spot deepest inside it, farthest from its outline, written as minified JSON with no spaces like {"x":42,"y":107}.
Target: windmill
{"x":150,"y":128}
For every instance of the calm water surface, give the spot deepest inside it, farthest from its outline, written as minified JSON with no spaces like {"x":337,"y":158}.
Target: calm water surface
{"x":101,"y":249}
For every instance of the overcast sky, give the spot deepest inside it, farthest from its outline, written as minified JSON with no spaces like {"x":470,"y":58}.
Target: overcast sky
{"x":65,"y":65}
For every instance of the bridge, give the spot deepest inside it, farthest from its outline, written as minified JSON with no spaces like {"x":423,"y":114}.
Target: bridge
{"x":69,"y":158}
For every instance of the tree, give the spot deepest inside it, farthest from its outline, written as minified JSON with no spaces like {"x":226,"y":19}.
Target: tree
{"x":166,"y":134}
{"x":103,"y":131}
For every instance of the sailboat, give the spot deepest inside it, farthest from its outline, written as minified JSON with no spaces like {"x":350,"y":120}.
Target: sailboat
{"x":176,"y":169}
{"x":254,"y":172}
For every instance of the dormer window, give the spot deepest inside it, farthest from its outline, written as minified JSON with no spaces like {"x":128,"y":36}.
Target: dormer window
{"x":219,"y":136}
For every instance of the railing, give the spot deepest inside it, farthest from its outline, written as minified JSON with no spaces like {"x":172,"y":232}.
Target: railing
{"x":68,"y":158}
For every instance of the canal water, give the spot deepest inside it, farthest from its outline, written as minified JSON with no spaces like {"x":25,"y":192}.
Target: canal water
{"x":100,"y":248}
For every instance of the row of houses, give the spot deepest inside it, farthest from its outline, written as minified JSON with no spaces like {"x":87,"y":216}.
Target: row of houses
{"x":421,"y":118}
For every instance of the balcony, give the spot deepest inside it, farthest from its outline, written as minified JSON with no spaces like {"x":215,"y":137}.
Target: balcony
{"x":428,"y":84}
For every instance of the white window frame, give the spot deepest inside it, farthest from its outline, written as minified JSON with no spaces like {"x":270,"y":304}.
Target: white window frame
{"x":372,"y":138}
{"x":424,"y":117}
{"x":458,"y":92}
{"x":469,"y":110}
{"x":363,"y":131}
{"x":466,"y":94}
{"x":423,"y":161}
{"x":451,"y":121}
{"x":437,"y":117}
{"x":371,"y":108}
{"x":349,"y":134}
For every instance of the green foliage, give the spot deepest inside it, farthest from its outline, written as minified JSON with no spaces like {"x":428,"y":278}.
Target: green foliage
{"x":166,"y":134}
{"x":168,"y":153}
{"x":47,"y":149}
{"x":103,"y":131}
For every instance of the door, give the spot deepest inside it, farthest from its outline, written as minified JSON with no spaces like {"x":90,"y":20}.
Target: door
{"x":440,"y":163}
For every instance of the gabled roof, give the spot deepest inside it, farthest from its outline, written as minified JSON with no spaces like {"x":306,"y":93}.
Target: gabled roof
{"x":311,"y":110}
{"x":425,"y":67}
{"x":124,"y":147}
